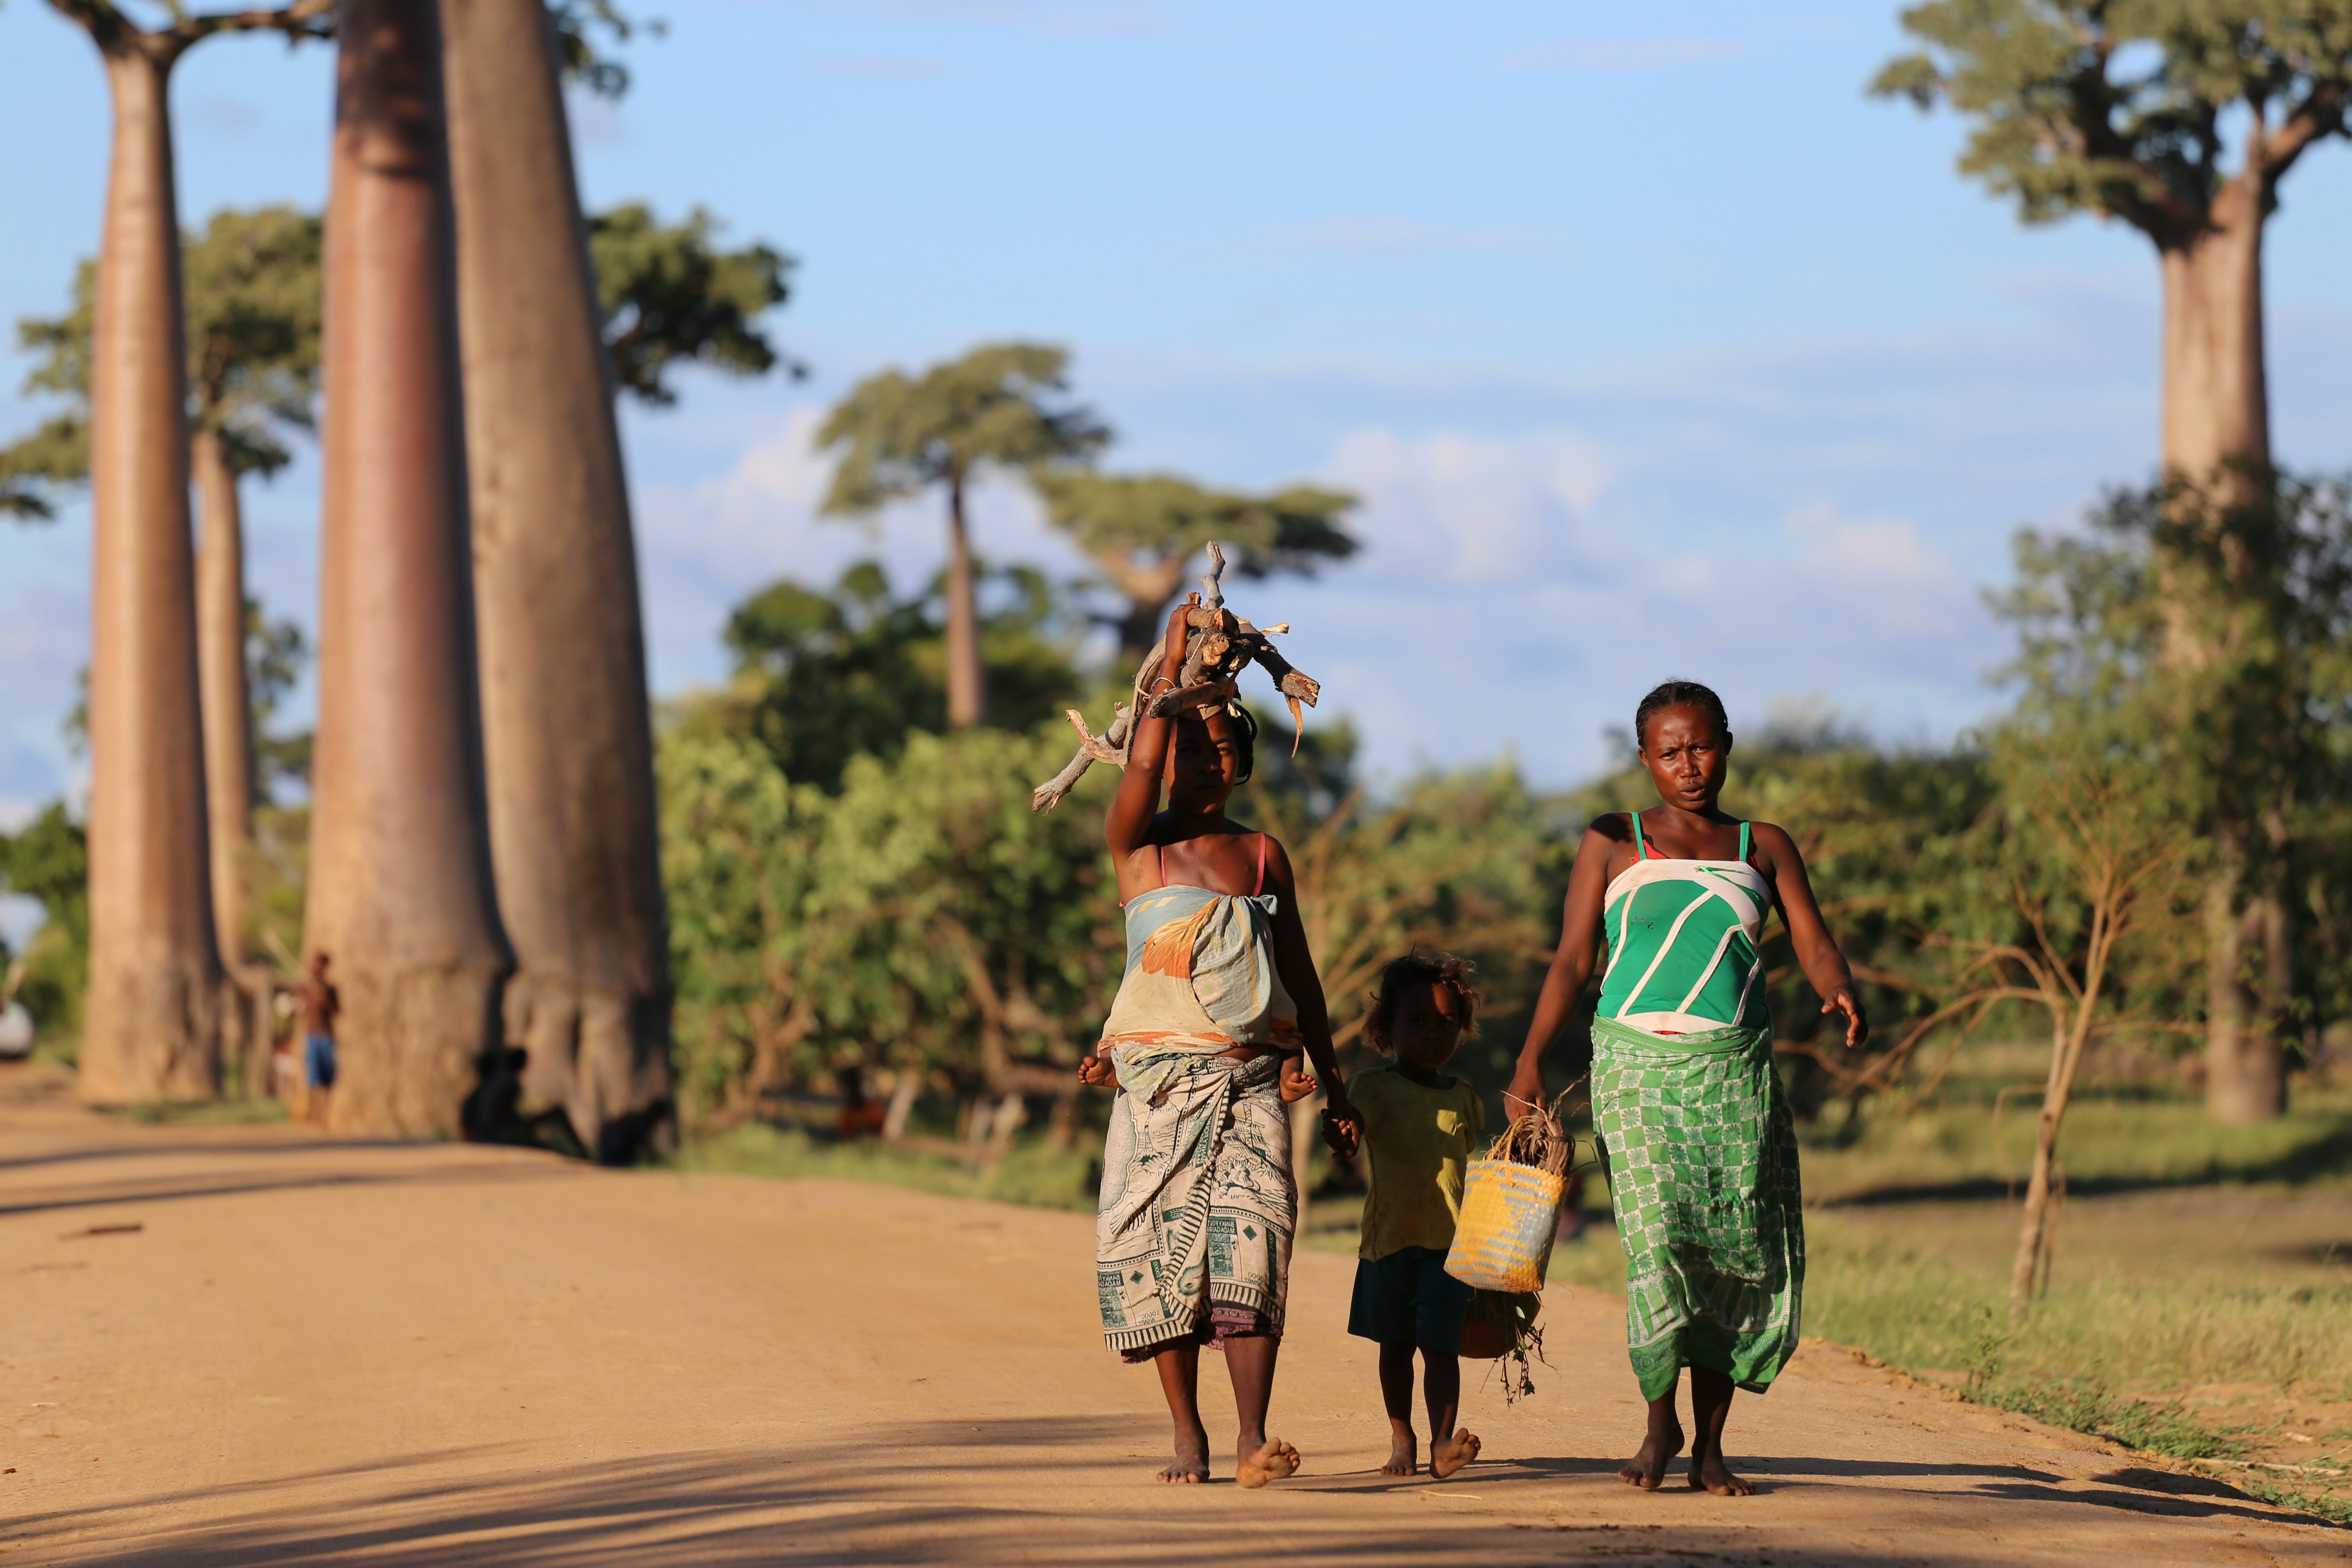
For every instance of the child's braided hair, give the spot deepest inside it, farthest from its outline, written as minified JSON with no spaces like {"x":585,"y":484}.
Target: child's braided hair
{"x":1421,"y":967}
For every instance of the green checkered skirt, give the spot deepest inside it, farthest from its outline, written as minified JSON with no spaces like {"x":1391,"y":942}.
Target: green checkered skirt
{"x":1703,"y":1172}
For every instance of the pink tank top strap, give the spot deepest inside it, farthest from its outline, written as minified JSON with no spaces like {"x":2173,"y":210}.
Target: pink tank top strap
{"x":1261,"y":867}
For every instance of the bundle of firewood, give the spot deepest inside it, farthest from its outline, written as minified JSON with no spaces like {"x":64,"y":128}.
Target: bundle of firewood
{"x":1218,"y":645}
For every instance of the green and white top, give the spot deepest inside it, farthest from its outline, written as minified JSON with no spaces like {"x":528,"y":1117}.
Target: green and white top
{"x":1686,"y":940}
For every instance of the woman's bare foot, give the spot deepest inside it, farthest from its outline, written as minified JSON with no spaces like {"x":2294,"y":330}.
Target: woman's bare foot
{"x":1270,"y":1463}
{"x":1404,"y":1451}
{"x":1452,"y":1453}
{"x":1709,"y":1473}
{"x":1191,"y":1464}
{"x":1647,"y":1468}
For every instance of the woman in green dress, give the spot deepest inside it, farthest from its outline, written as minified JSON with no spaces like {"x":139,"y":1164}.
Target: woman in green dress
{"x":1702,"y":1152}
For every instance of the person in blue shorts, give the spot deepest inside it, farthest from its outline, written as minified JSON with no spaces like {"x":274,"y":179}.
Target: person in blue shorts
{"x":319,"y":1006}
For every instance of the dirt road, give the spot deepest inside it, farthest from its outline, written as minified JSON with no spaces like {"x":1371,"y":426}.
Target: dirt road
{"x":334,"y":1352}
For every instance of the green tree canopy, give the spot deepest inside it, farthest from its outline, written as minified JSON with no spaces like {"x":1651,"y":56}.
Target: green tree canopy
{"x":671,"y":296}
{"x":1002,"y":405}
{"x":251,"y":279}
{"x":1144,"y":530}
{"x":2127,"y":108}
{"x":822,"y":677}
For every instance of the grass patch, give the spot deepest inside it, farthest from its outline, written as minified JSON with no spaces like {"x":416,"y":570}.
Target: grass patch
{"x":1029,"y":1173}
{"x":210,"y":1113}
{"x":2112,"y":1142}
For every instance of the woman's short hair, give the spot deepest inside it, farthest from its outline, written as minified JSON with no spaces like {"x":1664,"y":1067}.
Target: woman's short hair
{"x":1678,"y":694}
{"x":1421,"y":968}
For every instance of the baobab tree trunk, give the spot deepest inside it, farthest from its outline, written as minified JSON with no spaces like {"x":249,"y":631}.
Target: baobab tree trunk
{"x":967,"y":691}
{"x":228,"y":747}
{"x":2217,"y":437}
{"x":152,"y":1024}
{"x":568,"y":735}
{"x":400,"y":889}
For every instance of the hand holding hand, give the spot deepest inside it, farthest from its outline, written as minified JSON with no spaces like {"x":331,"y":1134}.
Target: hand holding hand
{"x":1857,"y":1025}
{"x":1343,"y":1129}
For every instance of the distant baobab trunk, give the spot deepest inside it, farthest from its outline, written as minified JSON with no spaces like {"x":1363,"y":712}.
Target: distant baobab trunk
{"x":2216,"y":434}
{"x":400,"y":878}
{"x":966,"y":676}
{"x":228,"y":742}
{"x":567,"y":734}
{"x":151,"y":1029}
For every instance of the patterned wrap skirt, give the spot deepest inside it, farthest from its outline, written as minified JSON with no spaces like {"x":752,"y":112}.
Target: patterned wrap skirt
{"x":1703,"y":1172}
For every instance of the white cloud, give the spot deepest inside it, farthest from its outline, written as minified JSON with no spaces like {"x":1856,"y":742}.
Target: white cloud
{"x":1879,"y":571}
{"x":1465,"y":509}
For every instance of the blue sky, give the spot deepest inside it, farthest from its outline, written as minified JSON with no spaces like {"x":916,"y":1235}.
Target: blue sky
{"x":1649,"y":348}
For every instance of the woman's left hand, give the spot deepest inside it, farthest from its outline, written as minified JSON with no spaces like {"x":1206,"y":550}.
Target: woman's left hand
{"x":1857,"y":1024}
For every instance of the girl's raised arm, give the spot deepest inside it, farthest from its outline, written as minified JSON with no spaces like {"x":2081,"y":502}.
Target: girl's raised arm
{"x":1817,"y":950}
{"x":1127,"y":826}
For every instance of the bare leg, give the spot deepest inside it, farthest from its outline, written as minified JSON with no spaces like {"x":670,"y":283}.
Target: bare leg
{"x":1710,"y":1403}
{"x":1180,"y":1380}
{"x":1396,"y":1396}
{"x":1442,"y":1386}
{"x":1647,"y":1468}
{"x":1249,"y":1359}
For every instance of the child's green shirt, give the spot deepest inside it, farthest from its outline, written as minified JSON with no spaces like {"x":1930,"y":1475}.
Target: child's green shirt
{"x":1419,"y":1139}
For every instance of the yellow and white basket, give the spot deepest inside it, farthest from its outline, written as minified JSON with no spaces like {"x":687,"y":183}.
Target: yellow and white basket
{"x":1510,"y":1212}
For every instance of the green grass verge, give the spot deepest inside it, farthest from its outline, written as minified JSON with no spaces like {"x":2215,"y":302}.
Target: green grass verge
{"x":1029,"y":1173}
{"x":211,"y":1113}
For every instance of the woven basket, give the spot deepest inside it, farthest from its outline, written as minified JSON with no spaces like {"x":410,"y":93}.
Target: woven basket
{"x":1510,"y":1212}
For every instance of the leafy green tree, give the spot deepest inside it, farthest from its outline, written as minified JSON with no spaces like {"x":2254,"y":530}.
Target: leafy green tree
{"x":2249,"y":737}
{"x":669,"y":296}
{"x":821,"y":677}
{"x":1144,"y":530}
{"x":2178,"y":117}
{"x":48,"y":860}
{"x":1000,"y":406}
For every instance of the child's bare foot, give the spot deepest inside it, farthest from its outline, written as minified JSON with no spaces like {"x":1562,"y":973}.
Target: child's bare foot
{"x":1191,"y":1464}
{"x":1450,"y":1454}
{"x":1647,"y":1468}
{"x":1404,"y":1454}
{"x":1270,"y":1463}
{"x":1709,"y":1473}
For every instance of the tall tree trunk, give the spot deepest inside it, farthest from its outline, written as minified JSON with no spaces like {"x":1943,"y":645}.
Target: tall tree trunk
{"x":967,"y":694}
{"x":227,"y":710}
{"x":151,"y":1030}
{"x":228,"y":749}
{"x":2033,"y":1235}
{"x":2217,"y":436}
{"x":400,"y":888}
{"x":568,"y":735}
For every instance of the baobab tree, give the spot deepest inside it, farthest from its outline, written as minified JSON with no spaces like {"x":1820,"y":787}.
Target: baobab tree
{"x":998,"y":406}
{"x":2182,"y":120}
{"x":567,"y":729}
{"x":1144,"y":530}
{"x":251,"y":303}
{"x":399,"y":892}
{"x":151,"y":1028}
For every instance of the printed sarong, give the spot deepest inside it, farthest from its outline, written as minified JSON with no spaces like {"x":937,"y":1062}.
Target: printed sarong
{"x":1194,"y":1227}
{"x":1703,"y":1172}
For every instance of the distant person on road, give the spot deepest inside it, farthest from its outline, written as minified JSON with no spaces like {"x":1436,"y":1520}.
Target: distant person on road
{"x":320,"y":1004}
{"x":861,"y":1115}
{"x":1419,"y":1124}
{"x":1702,"y":1148}
{"x":1193,"y":1234}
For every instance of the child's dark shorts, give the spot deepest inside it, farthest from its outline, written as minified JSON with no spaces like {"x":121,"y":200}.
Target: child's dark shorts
{"x":1409,"y":1299}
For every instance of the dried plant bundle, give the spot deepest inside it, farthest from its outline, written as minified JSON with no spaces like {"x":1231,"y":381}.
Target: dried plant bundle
{"x":1218,"y":645}
{"x":1540,"y":1138}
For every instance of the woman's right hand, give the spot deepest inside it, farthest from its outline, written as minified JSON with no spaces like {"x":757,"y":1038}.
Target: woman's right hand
{"x":1179,"y":627}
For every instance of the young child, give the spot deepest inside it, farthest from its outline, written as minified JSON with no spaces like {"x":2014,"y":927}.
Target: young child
{"x":1418,"y":1122}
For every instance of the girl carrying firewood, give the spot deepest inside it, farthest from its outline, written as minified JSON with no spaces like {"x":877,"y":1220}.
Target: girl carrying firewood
{"x":1198,"y":1208}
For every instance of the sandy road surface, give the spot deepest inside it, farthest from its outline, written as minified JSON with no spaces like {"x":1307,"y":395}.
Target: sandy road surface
{"x":319,"y":1353}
